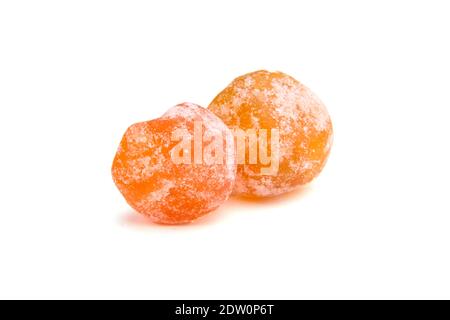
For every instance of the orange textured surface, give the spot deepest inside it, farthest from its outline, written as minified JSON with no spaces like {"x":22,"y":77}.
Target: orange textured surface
{"x":169,"y":193}
{"x":274,"y":100}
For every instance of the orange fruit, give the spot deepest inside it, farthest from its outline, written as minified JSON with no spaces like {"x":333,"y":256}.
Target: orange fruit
{"x":159,"y":174}
{"x":278,"y":103}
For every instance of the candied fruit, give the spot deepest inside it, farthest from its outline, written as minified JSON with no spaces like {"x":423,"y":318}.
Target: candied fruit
{"x":265,"y":101}
{"x":164,"y":170}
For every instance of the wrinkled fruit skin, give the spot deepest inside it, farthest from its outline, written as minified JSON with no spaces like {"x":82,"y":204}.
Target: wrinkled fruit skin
{"x":267,"y":100}
{"x":155,"y":186}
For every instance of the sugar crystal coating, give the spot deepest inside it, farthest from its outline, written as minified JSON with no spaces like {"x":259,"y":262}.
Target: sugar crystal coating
{"x":274,"y":100}
{"x":166,"y":191}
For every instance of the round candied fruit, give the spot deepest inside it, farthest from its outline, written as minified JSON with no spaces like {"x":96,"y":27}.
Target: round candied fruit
{"x":287,"y":129}
{"x":177,"y":168}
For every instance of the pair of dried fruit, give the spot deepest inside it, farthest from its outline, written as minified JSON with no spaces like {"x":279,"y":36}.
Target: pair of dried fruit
{"x":166,"y":173}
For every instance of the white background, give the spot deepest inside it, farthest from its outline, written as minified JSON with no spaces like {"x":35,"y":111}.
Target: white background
{"x":75,"y":74}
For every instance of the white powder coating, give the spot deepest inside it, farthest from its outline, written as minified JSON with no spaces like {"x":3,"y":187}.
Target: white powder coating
{"x":296,"y":101}
{"x":139,"y":166}
{"x":186,"y":110}
{"x":291,"y":100}
{"x":212,"y":125}
{"x":176,"y":193}
{"x":157,"y":195}
{"x":273,"y":100}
